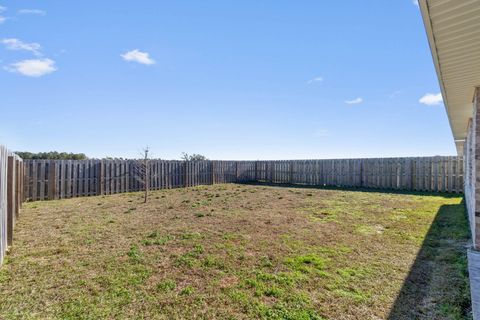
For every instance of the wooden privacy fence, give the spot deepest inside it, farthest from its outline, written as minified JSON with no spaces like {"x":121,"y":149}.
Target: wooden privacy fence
{"x":435,"y":174}
{"x":11,"y":196}
{"x":58,"y":179}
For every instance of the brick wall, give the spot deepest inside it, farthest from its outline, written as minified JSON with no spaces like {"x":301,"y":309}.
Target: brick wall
{"x":471,"y":151}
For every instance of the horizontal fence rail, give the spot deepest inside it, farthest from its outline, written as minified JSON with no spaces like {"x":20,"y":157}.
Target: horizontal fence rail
{"x":59,"y":179}
{"x":11,"y":196}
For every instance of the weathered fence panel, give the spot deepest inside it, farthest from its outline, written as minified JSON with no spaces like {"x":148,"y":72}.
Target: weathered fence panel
{"x":58,"y":179}
{"x":11,"y":196}
{"x":3,"y":201}
{"x":436,"y":174}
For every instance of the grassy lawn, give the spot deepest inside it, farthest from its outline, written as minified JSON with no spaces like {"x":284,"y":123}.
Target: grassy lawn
{"x":239,"y":252}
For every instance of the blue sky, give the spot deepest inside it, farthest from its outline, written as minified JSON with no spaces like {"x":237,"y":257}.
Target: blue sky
{"x":228,"y":79}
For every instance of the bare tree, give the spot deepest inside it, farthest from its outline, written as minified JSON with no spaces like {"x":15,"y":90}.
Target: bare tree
{"x":141,"y":172}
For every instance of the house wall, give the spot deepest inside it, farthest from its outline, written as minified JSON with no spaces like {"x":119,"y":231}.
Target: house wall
{"x":469,"y":174}
{"x":472,"y":167}
{"x":471,"y":151}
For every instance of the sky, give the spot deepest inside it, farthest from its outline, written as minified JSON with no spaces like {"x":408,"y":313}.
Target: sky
{"x":233,"y":80}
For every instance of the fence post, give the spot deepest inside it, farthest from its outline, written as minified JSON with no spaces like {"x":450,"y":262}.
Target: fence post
{"x":271,"y":170}
{"x":101,"y":179}
{"x":26,"y":182}
{"x":147,"y":177}
{"x":212,"y":167}
{"x":412,"y":171}
{"x":361,"y":173}
{"x":290,"y":178}
{"x":18,"y":200}
{"x":10,"y":198}
{"x":22,"y":181}
{"x":236,"y":171}
{"x":52,"y":181}
{"x":185,"y":174}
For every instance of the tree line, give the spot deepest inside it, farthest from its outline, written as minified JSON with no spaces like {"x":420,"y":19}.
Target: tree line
{"x":51,"y":155}
{"x":55,"y":155}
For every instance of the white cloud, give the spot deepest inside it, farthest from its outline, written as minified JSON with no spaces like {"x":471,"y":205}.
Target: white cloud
{"x":2,"y":19}
{"x":138,"y":56}
{"x":431,"y":99}
{"x":316,"y":79}
{"x":33,"y":67}
{"x":3,"y":8}
{"x":415,"y":2}
{"x":37,"y":12}
{"x":354,"y":101}
{"x":15,"y":44}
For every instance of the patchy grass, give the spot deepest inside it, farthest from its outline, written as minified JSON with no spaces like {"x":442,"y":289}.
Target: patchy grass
{"x":239,"y":252}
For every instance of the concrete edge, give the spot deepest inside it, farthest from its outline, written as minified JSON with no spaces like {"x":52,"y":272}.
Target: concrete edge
{"x":474,"y":275}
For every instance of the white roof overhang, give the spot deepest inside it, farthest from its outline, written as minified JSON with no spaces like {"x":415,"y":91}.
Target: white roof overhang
{"x":453,"y":30}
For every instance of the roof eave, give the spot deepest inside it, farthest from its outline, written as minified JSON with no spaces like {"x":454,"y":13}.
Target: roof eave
{"x":459,"y":141}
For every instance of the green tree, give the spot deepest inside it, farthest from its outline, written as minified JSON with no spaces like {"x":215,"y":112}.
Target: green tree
{"x":51,"y":155}
{"x":193,"y":157}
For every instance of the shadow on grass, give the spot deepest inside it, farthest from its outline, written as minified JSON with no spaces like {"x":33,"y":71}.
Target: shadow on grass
{"x":437,"y":285}
{"x":357,"y":189}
